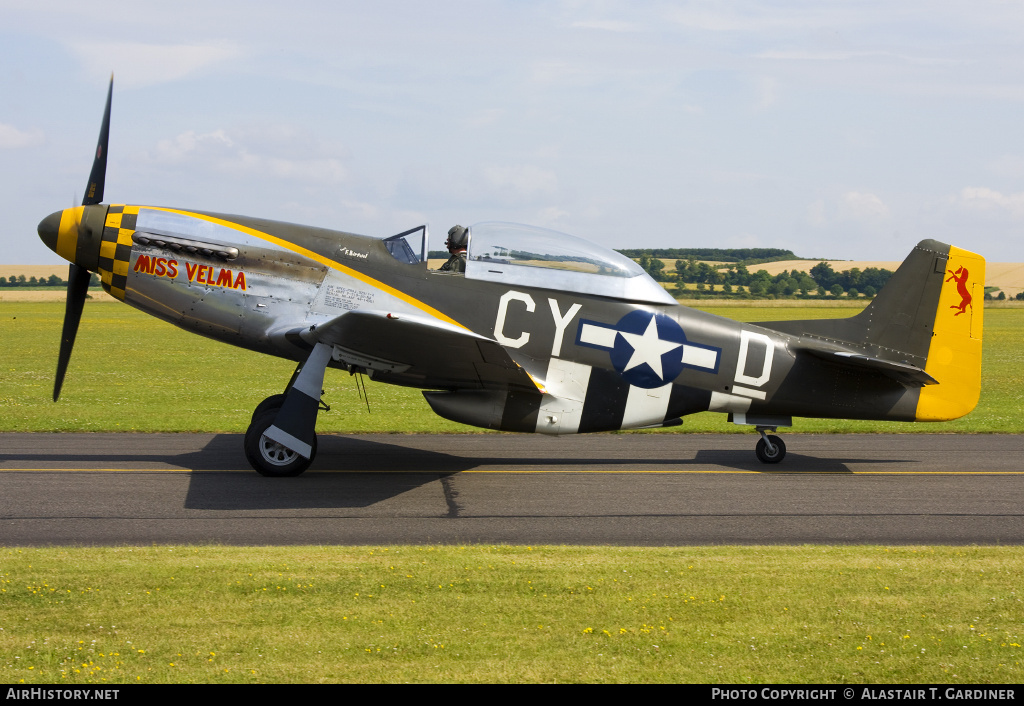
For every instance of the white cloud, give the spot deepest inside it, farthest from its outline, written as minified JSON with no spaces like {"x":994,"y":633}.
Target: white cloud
{"x":189,"y":145}
{"x":483,"y":117}
{"x":607,"y":25}
{"x":1008,"y":165}
{"x":551,"y":216}
{"x":139,"y":64}
{"x":851,"y":207}
{"x":746,"y":17}
{"x":13,"y":138}
{"x":559,"y":72}
{"x":364,"y":211}
{"x":525,"y":181}
{"x":858,"y":56}
{"x":859,"y":206}
{"x":980,"y":198}
{"x":816,"y":213}
{"x":767,"y":93}
{"x":283,"y":153}
{"x":486,"y":189}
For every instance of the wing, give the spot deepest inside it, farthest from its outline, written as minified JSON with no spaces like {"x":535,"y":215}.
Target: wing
{"x":419,"y":351}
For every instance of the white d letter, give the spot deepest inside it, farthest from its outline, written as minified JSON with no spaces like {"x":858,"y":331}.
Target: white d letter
{"x":741,"y":365}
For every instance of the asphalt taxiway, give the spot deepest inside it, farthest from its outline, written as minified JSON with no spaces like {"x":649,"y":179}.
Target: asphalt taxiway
{"x":625,"y":489}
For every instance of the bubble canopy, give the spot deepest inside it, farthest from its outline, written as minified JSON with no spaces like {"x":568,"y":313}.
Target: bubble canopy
{"x":537,"y":257}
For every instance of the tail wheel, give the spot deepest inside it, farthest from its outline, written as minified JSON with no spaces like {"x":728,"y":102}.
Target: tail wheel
{"x":269,"y":458}
{"x":770,"y":454}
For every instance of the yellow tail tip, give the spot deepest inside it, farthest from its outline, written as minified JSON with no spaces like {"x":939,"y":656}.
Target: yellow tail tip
{"x":954,"y":356}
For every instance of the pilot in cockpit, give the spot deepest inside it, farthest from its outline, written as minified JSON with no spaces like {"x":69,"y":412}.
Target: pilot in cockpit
{"x":458,"y":240}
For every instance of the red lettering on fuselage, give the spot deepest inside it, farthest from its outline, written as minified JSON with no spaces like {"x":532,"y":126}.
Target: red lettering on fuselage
{"x":194,"y":272}
{"x":159,"y":266}
{"x":213,"y":277}
{"x":224,"y":279}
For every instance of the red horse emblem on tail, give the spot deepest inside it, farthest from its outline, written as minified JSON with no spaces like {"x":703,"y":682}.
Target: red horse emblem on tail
{"x":960,"y":277}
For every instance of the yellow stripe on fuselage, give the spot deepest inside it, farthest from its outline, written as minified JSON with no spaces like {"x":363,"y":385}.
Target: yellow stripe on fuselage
{"x":426,"y":308}
{"x":954,"y":356}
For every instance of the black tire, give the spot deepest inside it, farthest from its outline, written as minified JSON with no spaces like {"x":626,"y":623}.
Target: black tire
{"x":765,"y":456}
{"x":273,"y":402}
{"x":269,"y":458}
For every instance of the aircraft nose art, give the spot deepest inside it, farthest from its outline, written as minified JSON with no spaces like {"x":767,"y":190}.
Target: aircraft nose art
{"x":116,"y":248}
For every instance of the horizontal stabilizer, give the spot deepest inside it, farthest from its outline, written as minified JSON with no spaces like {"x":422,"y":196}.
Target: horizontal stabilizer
{"x":908,"y":374}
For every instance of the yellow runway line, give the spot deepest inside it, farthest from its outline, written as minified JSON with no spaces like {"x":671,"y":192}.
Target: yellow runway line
{"x":528,"y":472}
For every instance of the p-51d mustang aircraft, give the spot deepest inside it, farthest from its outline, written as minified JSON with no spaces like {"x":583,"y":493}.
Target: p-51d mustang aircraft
{"x":542,"y":332}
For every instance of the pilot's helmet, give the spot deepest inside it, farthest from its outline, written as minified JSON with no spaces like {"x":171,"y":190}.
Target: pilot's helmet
{"x":458,"y":237}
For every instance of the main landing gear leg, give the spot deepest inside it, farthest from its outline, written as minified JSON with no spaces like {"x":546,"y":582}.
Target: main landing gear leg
{"x":770,"y":448}
{"x":281,"y":440}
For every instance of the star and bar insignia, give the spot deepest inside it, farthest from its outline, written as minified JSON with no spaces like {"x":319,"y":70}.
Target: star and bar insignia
{"x":648,"y":349}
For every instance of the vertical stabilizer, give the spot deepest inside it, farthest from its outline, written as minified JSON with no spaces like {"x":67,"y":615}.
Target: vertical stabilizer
{"x":954,"y":354}
{"x":927,"y":317}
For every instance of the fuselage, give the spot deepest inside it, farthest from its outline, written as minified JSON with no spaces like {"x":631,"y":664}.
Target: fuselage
{"x":598,"y":362}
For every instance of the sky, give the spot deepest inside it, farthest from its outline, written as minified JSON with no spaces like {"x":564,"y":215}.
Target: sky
{"x":838,"y":129}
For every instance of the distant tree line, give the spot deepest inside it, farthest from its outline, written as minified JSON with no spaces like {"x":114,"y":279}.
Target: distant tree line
{"x":22,"y":281}
{"x":736,"y":280}
{"x":744,"y":255}
{"x":51,"y":281}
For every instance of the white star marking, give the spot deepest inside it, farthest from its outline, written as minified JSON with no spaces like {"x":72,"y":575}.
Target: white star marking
{"x":648,"y":348}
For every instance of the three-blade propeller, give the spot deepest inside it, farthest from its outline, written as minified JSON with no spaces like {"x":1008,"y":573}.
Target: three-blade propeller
{"x":78,"y":276}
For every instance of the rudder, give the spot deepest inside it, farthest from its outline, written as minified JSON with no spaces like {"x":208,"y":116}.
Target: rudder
{"x":954,"y":353}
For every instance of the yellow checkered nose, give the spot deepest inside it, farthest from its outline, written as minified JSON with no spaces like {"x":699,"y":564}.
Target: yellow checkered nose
{"x":98,"y":238}
{"x":76,"y":234}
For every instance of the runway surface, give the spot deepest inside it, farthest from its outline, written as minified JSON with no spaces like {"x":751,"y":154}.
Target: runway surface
{"x":626,"y":489}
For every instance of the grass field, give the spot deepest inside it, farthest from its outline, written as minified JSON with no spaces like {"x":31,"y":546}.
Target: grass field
{"x":511,"y":614}
{"x":131,"y":372}
{"x":209,"y":614}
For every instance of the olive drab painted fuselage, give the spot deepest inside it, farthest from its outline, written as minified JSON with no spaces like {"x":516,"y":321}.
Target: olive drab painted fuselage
{"x":542,"y":332}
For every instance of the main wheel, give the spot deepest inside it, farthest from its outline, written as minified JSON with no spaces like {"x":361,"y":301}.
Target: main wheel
{"x":766,"y":456}
{"x":273,"y":402}
{"x":269,"y":458}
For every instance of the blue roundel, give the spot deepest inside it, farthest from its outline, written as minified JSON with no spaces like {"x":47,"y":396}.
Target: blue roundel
{"x":648,"y":349}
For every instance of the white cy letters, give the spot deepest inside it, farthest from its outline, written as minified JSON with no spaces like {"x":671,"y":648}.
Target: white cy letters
{"x":560,"y":324}
{"x":499,"y":322}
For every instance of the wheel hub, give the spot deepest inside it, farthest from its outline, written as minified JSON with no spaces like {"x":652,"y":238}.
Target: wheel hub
{"x":274,"y":453}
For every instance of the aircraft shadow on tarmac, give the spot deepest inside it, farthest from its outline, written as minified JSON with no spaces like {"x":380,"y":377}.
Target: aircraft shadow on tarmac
{"x":354,"y":473}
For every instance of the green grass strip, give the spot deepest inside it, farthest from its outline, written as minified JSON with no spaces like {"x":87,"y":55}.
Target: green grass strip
{"x":209,"y":614}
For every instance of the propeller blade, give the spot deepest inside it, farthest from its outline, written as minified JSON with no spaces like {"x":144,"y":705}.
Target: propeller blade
{"x":78,"y":276}
{"x":98,"y":176}
{"x":78,"y":287}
